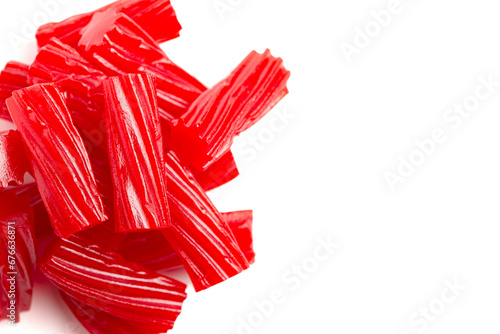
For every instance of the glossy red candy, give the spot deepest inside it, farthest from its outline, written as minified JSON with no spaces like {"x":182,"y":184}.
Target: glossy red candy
{"x":104,"y":235}
{"x":17,"y":255}
{"x":117,"y":45}
{"x":240,"y":223}
{"x":41,"y":220}
{"x":157,"y":17}
{"x":82,"y":84}
{"x":199,"y":234}
{"x":57,"y":61}
{"x":136,"y":153}
{"x":205,"y":133}
{"x":97,"y":321}
{"x":105,"y":281}
{"x":14,"y":163}
{"x":153,"y":251}
{"x":61,"y":166}
{"x":123,"y":145}
{"x":13,"y":77}
{"x":102,"y":172}
{"x":218,"y":173}
{"x":150,"y":249}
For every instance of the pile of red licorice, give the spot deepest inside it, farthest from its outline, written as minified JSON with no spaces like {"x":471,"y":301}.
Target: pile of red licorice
{"x":123,"y":145}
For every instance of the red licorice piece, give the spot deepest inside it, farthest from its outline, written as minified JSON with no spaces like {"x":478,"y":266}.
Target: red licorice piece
{"x":104,"y":235}
{"x":100,"y":322}
{"x":41,"y":219}
{"x":123,"y":145}
{"x":61,"y":166}
{"x":153,"y":251}
{"x":117,"y":46}
{"x":240,"y":223}
{"x":100,"y":165}
{"x":136,"y":153}
{"x":218,"y":173}
{"x":150,"y":249}
{"x":104,"y":280}
{"x":58,"y":61}
{"x":13,"y":77}
{"x":157,"y":17}
{"x":82,"y":84}
{"x":13,"y":161}
{"x":199,"y":234}
{"x":206,"y":132}
{"x":17,"y":255}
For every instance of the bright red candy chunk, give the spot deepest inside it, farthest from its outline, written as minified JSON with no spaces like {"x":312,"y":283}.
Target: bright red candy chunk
{"x":103,"y":280}
{"x":97,"y":321}
{"x":157,"y":17}
{"x":117,"y":46}
{"x":240,"y":223}
{"x":136,"y":153}
{"x":218,"y":173}
{"x":42,"y":221}
{"x":61,"y":166}
{"x":124,"y":145}
{"x":13,"y":161}
{"x":153,"y":251}
{"x":199,"y":234}
{"x":205,"y":133}
{"x":80,"y":81}
{"x":13,"y":77}
{"x":17,"y":255}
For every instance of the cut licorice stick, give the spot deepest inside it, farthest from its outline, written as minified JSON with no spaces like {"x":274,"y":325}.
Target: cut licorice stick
{"x":100,"y":165}
{"x":80,"y":81}
{"x":218,"y":173}
{"x":18,"y":255}
{"x":150,"y":249}
{"x":123,"y":145}
{"x":199,"y":234}
{"x":117,"y":46}
{"x":136,"y":153}
{"x":240,"y":223}
{"x":153,"y":251}
{"x":57,"y":61}
{"x":103,"y":280}
{"x":42,"y":221}
{"x":157,"y":17}
{"x":60,"y":163}
{"x":104,"y":235}
{"x":97,"y":321}
{"x":13,"y":77}
{"x":206,"y":131}
{"x":14,"y":163}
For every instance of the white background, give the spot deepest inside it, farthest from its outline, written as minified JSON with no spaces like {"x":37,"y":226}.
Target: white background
{"x":321,"y":172}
